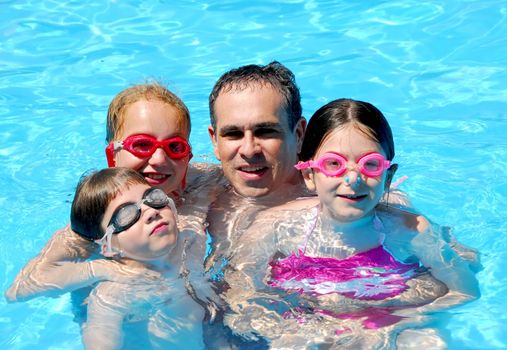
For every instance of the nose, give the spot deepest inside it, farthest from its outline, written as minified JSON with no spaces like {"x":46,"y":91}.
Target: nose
{"x":249,"y":145}
{"x":352,"y":178}
{"x":159,"y":157}
{"x":150,"y":214}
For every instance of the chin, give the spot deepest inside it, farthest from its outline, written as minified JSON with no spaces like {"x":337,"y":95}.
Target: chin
{"x":159,"y":254}
{"x":344,"y":215}
{"x":252,"y":192}
{"x":167,"y":187}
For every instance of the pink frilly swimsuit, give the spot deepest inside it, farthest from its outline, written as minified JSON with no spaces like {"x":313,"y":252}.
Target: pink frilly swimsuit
{"x":371,"y":275}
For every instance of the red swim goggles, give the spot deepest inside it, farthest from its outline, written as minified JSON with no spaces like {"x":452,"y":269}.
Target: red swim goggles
{"x":143,"y":146}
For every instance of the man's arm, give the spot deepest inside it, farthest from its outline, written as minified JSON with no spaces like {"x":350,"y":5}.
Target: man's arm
{"x":469,"y":254}
{"x":256,"y":309}
{"x":448,"y":267}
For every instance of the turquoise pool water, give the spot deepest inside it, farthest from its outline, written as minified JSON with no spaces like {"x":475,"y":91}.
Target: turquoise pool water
{"x":437,"y":69}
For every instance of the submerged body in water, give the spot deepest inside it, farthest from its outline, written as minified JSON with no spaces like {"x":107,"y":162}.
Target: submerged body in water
{"x":294,"y":281}
{"x":155,"y":315}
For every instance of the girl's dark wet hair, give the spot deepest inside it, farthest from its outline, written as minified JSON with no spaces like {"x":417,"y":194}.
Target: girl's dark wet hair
{"x":94,"y":192}
{"x":339,"y":113}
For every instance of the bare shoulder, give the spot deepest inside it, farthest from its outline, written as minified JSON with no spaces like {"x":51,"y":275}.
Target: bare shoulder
{"x":204,"y":175}
{"x":287,"y":211}
{"x":298,"y":204}
{"x":198,"y":170}
{"x":65,"y":244}
{"x":411,"y":221}
{"x":113,"y":297}
{"x":202,"y":167}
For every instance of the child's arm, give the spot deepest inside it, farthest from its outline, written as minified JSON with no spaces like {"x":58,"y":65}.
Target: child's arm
{"x":205,"y":183}
{"x":469,"y":254}
{"x":43,"y":274}
{"x":397,"y":201}
{"x":60,"y":268}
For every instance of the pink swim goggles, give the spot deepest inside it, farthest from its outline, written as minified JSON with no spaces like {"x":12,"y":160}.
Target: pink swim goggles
{"x":333,"y":164}
{"x":143,"y":146}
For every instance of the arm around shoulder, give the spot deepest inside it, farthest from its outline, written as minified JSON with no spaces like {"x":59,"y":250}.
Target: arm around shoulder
{"x":59,"y":263}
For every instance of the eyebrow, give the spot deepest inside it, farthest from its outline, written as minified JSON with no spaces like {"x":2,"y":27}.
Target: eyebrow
{"x":232,"y":128}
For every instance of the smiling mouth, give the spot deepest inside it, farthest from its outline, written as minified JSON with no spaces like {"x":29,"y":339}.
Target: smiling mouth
{"x":253,"y":169}
{"x":353,"y":197}
{"x":156,"y":177}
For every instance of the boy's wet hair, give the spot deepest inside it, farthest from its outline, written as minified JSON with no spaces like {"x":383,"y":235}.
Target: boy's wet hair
{"x":94,"y":192}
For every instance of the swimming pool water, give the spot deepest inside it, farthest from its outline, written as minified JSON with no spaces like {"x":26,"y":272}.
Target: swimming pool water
{"x":438,"y":70}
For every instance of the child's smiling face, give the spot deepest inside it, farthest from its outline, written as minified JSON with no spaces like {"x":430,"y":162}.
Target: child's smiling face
{"x":161,"y":121}
{"x":152,"y":236}
{"x":347,"y":198}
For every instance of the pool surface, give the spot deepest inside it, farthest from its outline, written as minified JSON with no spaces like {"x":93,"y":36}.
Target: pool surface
{"x":438,"y":71}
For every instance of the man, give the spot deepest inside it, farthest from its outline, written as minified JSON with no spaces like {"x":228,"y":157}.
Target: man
{"x":257,"y":131}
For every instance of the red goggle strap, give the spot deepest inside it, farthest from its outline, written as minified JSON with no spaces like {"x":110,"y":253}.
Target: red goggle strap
{"x":110,"y":155}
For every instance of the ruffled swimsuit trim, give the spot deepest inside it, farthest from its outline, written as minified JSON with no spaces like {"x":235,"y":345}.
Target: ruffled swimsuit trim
{"x":371,"y":275}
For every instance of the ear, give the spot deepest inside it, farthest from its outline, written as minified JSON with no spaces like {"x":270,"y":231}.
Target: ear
{"x":300,"y":129}
{"x":308,"y":176}
{"x":390,"y":174}
{"x":214,"y":141}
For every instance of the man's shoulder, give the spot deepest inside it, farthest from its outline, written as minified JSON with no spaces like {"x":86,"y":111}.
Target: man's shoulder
{"x":301,"y":203}
{"x":204,"y":174}
{"x":407,"y":219}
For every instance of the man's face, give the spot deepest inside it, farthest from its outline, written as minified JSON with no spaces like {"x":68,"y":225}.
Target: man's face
{"x":253,"y":141}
